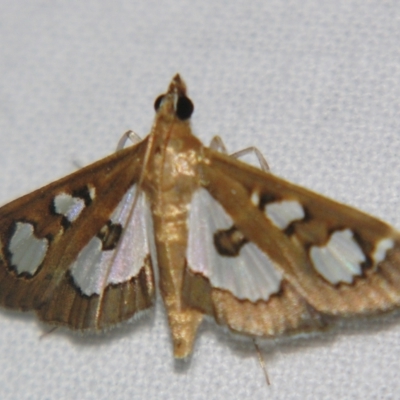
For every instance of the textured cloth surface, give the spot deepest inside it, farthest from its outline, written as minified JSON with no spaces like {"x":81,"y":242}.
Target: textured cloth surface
{"x":314,"y":85}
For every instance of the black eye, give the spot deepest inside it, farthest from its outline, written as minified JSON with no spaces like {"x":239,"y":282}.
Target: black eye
{"x":158,"y":101}
{"x":184,"y":108}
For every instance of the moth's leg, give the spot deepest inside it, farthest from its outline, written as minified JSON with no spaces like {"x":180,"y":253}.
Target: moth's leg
{"x":263,"y":162}
{"x":49,"y":332}
{"x":218,"y":145}
{"x":132,"y":136}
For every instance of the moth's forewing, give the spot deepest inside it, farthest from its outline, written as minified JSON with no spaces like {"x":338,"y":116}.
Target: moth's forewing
{"x":329,"y":259}
{"x":43,"y":233}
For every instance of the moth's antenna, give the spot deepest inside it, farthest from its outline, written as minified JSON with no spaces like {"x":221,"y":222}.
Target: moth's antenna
{"x":262,"y":362}
{"x":149,"y":147}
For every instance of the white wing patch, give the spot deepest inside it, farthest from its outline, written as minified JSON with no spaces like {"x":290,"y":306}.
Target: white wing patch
{"x":381,"y":249}
{"x":283,"y":213}
{"x":69,"y":206}
{"x":27,"y":251}
{"x":249,"y":275}
{"x":95,"y":268}
{"x":340,"y":260}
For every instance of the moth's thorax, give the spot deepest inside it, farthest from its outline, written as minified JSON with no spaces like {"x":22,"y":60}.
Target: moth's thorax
{"x":174,"y":160}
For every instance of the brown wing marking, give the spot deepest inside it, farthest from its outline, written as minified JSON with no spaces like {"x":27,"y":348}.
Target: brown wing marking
{"x":120,"y":302}
{"x":285,"y":312}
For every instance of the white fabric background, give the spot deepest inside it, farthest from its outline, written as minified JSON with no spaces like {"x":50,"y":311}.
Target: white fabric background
{"x":314,"y":85}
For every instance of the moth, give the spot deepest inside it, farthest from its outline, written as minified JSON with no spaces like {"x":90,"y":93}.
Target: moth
{"x":260,"y":255}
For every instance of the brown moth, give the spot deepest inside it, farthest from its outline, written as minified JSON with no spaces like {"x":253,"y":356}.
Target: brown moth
{"x":262,"y":256}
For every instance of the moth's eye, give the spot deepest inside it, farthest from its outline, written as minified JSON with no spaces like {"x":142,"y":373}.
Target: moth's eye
{"x":158,"y":101}
{"x":184,"y":108}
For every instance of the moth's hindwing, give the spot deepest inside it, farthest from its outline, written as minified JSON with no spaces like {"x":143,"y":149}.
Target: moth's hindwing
{"x":270,"y":257}
{"x":64,"y":247}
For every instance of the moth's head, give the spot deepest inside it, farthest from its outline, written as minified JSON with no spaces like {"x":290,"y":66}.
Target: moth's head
{"x":174,"y":103}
